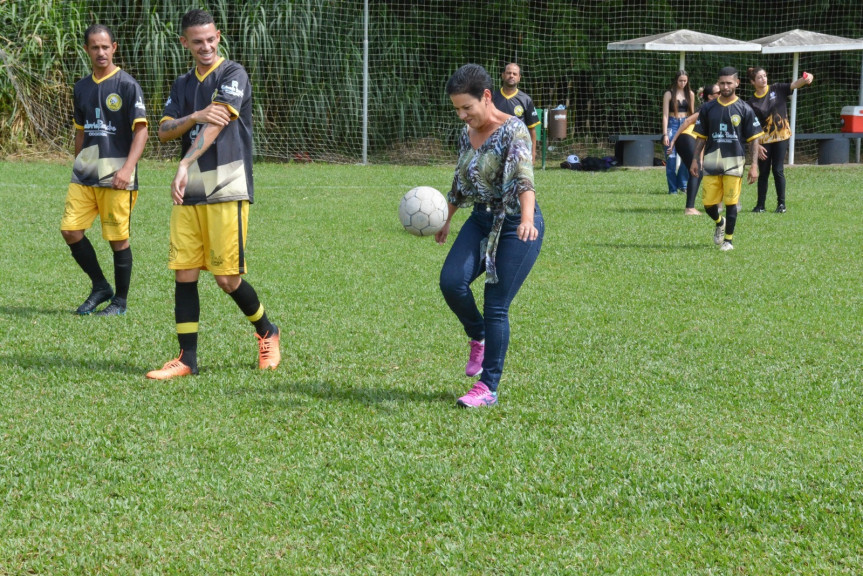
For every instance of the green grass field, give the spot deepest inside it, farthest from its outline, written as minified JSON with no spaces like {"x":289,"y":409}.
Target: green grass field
{"x":665,"y":409}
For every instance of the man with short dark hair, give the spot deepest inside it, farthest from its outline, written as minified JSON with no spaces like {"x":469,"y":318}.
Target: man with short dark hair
{"x":513,"y":101}
{"x":722,"y":129}
{"x":210,"y":110}
{"x":110,"y":135}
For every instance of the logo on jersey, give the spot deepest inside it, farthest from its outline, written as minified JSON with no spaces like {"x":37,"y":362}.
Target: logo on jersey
{"x":519,"y":111}
{"x":98,"y":127}
{"x":735,"y":119}
{"x":114,"y":102}
{"x":232,"y":90}
{"x":139,"y":103}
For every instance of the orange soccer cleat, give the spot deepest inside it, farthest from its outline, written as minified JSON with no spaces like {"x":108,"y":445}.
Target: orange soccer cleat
{"x":172,"y":369}
{"x":269,"y":353}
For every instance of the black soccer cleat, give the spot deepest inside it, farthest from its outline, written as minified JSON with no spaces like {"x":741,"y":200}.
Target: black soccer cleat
{"x":780,"y":209}
{"x":117,"y":307}
{"x":96,"y":297}
{"x":758,"y":209}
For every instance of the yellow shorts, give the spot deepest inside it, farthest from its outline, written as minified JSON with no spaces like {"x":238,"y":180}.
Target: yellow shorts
{"x":209,"y":237}
{"x":114,"y":208}
{"x":721,"y":189}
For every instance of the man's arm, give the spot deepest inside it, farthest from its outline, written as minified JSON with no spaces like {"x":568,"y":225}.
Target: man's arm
{"x":174,"y":128}
{"x":123,"y":176}
{"x":695,"y":168}
{"x":202,"y":143}
{"x":533,"y":143}
{"x":79,"y":141}
{"x":754,"y":152}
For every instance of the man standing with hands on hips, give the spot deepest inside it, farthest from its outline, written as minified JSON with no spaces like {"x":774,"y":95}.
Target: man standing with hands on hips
{"x":210,"y":109}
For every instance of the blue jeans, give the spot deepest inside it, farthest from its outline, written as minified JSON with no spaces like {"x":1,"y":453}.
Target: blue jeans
{"x":676,"y":173}
{"x":465,"y":263}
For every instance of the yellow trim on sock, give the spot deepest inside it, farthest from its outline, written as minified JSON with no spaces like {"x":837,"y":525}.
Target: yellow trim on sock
{"x":257,"y":315}
{"x":187,"y":327}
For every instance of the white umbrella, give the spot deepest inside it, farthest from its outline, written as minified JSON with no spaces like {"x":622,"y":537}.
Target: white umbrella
{"x":797,"y":41}
{"x":684,"y":41}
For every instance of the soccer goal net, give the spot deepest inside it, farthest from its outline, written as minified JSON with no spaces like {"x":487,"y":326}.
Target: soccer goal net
{"x":344,"y":80}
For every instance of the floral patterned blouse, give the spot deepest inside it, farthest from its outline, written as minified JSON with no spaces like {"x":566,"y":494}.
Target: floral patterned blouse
{"x":495,"y":174}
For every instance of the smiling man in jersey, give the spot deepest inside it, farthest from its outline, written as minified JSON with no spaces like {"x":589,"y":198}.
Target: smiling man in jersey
{"x":723,"y":129}
{"x":110,"y":135}
{"x":210,"y":110}
{"x":510,"y":100}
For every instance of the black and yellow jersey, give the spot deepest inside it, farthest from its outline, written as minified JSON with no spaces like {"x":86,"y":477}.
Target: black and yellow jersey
{"x":727,"y":128}
{"x":224,"y":172}
{"x":107,"y":111}
{"x":519,"y":105}
{"x":772,"y":111}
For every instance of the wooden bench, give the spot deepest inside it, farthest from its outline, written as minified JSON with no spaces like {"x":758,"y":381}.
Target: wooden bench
{"x":638,"y":149}
{"x":832,"y":148}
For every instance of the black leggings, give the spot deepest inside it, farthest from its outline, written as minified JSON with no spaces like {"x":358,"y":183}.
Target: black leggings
{"x":776,"y":161}
{"x":685,"y":146}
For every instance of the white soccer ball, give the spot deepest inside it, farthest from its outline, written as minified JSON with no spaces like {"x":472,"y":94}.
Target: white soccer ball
{"x":423,"y":211}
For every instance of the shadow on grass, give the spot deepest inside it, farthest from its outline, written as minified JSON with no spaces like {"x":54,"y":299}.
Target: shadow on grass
{"x":30,"y":311}
{"x":696,"y":246}
{"x":327,"y":391}
{"x":33,"y":361}
{"x":647,"y":210}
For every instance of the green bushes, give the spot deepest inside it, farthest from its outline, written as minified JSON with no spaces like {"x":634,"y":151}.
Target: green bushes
{"x":305,"y":58}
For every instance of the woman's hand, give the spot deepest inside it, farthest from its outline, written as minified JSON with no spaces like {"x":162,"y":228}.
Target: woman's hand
{"x":527,"y":231}
{"x":441,"y":235}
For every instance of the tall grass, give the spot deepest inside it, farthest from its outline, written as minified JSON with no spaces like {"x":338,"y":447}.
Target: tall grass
{"x":305,"y":60}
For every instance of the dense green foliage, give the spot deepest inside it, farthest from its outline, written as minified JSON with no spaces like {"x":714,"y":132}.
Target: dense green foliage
{"x":306,"y":61}
{"x":665,"y":409}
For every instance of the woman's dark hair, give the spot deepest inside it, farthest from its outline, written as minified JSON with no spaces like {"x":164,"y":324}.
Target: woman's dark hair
{"x":194,"y":18}
{"x":687,"y":90}
{"x":97,"y":29}
{"x":753,"y":72}
{"x":712,"y":89}
{"x":469,"y":79}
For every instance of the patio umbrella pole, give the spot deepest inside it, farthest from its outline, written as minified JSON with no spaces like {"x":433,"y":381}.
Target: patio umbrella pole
{"x":793,"y":110}
{"x":860,"y":103}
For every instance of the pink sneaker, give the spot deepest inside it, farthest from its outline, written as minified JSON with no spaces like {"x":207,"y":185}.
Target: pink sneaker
{"x":478,"y":396}
{"x":474,"y":362}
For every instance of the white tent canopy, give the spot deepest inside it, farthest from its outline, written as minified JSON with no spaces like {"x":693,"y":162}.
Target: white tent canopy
{"x":791,"y":42}
{"x":684,"y":41}
{"x":797,"y":41}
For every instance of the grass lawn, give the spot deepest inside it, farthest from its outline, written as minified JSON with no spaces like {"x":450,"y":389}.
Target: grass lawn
{"x":666,"y":408}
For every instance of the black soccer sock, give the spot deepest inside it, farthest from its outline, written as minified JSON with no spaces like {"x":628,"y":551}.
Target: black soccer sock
{"x":713,"y":212}
{"x":187,"y":312}
{"x":85,"y":256}
{"x":730,"y":220}
{"x":247,"y":299}
{"x":122,"y":273}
